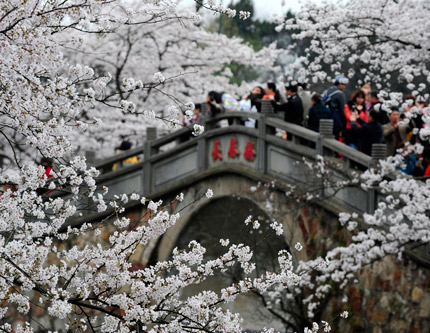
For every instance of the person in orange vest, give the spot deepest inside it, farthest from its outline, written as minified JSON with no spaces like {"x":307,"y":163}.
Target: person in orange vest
{"x":271,"y":92}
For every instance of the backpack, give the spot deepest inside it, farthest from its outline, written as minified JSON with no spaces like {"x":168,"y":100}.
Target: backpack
{"x":335,"y":112}
{"x":230,"y":103}
{"x":326,"y":97}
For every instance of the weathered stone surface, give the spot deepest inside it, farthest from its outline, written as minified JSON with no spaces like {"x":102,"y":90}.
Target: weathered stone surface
{"x":388,"y":270}
{"x":379,"y":315}
{"x":355,"y":300}
{"x":305,"y":211}
{"x":383,"y":284}
{"x":369,"y":310}
{"x":399,"y":326}
{"x":417,"y":294}
{"x":314,"y":227}
{"x":425,"y":306}
{"x":397,"y":275}
{"x":302,"y":226}
{"x":384,"y":302}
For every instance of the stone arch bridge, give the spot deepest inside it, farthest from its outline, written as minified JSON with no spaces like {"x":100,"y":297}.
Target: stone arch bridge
{"x":250,"y":170}
{"x":232,"y":160}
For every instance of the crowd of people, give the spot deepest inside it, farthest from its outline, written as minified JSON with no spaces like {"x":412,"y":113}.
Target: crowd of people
{"x":359,"y":122}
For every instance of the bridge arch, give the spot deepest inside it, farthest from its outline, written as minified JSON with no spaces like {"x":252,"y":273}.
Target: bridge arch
{"x":222,"y":217}
{"x":301,"y":222}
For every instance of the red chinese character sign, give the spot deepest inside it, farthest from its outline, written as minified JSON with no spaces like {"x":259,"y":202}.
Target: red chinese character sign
{"x":249,"y":151}
{"x":216,"y":151}
{"x":248,"y":154}
{"x":232,"y":151}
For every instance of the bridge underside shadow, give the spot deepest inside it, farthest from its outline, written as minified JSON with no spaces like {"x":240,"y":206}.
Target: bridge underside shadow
{"x":236,"y":196}
{"x":223,"y":218}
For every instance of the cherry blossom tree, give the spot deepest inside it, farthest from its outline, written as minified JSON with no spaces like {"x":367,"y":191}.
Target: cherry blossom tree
{"x":181,"y":57}
{"x":48,"y":99}
{"x":374,"y":40}
{"x":43,"y":97}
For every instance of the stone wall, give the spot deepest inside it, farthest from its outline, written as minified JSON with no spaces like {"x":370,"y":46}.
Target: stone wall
{"x":391,"y":295}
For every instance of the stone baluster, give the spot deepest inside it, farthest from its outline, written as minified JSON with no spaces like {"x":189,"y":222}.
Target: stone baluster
{"x":266,"y":107}
{"x":151,"y":134}
{"x":326,"y":132}
{"x":267,"y":111}
{"x":326,"y":128}
{"x":379,"y":152}
{"x":90,"y":156}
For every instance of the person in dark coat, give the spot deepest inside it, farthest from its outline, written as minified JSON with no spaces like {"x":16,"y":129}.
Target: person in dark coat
{"x":318,"y":111}
{"x":214,"y":103}
{"x":335,"y":99}
{"x":293,"y":108}
{"x":369,"y":133}
{"x":376,"y":105}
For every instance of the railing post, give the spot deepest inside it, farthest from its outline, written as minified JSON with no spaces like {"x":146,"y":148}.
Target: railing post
{"x":151,"y":134}
{"x":201,"y":154}
{"x":203,"y":120}
{"x":261,"y":144}
{"x":204,"y":110}
{"x":379,"y":152}
{"x":267,"y":111}
{"x":90,"y":157}
{"x":266,"y":106}
{"x":326,"y":132}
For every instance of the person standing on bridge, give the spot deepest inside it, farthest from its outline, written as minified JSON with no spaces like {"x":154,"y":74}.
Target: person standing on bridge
{"x":252,"y":103}
{"x":335,"y":100}
{"x":271,"y":92}
{"x":293,"y":108}
{"x":317,"y":112}
{"x":221,"y":102}
{"x":396,"y":132}
{"x":357,"y":103}
{"x":214,"y":103}
{"x":125,"y":145}
{"x":369,"y":133}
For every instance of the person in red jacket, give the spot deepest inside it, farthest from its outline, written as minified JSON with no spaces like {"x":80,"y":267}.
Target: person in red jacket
{"x":357,"y":103}
{"x":48,"y":174}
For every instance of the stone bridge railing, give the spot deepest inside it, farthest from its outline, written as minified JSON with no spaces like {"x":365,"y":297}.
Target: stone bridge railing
{"x":178,"y":159}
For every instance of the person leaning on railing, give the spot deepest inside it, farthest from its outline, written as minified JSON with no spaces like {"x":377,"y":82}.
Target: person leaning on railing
{"x":293,"y":108}
{"x":125,"y":145}
{"x":369,"y":133}
{"x":251,"y":102}
{"x":317,"y":112}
